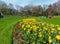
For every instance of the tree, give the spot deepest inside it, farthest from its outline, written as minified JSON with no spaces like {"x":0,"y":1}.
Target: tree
{"x":3,"y":7}
{"x":58,"y":7}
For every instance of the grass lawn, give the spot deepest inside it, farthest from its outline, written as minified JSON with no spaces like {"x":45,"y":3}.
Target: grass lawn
{"x":54,"y":20}
{"x":6,"y":28}
{"x":7,"y":23}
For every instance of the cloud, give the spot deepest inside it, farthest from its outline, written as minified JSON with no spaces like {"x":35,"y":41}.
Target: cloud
{"x":47,"y":2}
{"x":18,"y":2}
{"x":26,"y":2}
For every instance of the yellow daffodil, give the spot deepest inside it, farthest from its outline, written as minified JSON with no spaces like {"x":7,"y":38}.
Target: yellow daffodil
{"x":52,"y":29}
{"x":29,"y":19}
{"x":50,"y":40}
{"x":23,"y":26}
{"x":20,"y":24}
{"x":58,"y":37}
{"x":28,"y":26}
{"x":43,"y":23}
{"x":37,"y":26}
{"x":30,"y":22}
{"x":44,"y":42}
{"x":49,"y":32}
{"x":50,"y":37}
{"x":25,"y":22}
{"x":57,"y":25}
{"x":45,"y":28}
{"x":33,"y":43}
{"x":34,"y":28}
{"x":31,"y":27}
{"x":51,"y":25}
{"x":59,"y":33}
{"x":28,"y":30}
{"x":40,"y":35}
{"x":58,"y":28}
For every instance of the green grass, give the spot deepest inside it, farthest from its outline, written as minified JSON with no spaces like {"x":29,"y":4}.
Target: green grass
{"x":54,"y":20}
{"x":6,"y":28}
{"x":7,"y":24}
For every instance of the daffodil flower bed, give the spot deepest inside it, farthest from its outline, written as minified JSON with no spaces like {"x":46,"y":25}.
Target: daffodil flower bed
{"x":32,"y":31}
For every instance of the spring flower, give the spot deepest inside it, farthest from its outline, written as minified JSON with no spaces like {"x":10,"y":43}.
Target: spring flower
{"x":50,"y":37}
{"x":35,"y":28}
{"x":33,"y":43}
{"x":27,"y":26}
{"x":28,"y":30}
{"x":43,"y":23}
{"x":59,"y":33}
{"x":45,"y":28}
{"x":58,"y":37}
{"x":40,"y":35}
{"x":57,"y":25}
{"x":20,"y":24}
{"x":44,"y":42}
{"x":52,"y":29}
{"x":50,"y":40}
{"x":51,"y":25}
{"x":32,"y":28}
{"x":23,"y":26}
{"x":58,"y":28}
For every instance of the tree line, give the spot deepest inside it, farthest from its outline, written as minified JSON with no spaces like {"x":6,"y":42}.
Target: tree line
{"x":38,"y":10}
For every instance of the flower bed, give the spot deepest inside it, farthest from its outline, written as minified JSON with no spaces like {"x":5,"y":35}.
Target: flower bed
{"x":32,"y":31}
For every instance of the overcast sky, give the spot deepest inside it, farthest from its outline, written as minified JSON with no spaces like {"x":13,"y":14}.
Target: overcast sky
{"x":26,"y":2}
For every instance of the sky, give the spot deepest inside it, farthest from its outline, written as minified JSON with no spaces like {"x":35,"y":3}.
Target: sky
{"x":26,"y":2}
